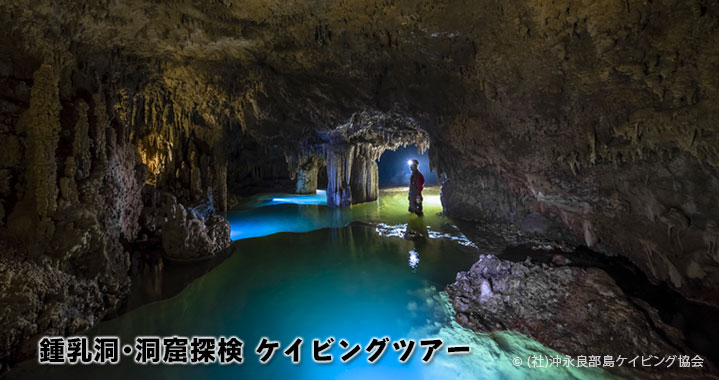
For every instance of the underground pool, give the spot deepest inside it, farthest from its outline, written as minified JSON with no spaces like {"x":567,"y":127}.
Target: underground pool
{"x":300,"y":269}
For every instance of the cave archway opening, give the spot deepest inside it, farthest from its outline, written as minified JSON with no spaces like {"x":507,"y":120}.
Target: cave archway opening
{"x":394,"y":169}
{"x":257,"y":168}
{"x":352,"y":150}
{"x":322,"y":179}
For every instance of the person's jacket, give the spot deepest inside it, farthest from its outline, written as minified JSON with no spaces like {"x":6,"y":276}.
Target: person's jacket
{"x":416,"y":183}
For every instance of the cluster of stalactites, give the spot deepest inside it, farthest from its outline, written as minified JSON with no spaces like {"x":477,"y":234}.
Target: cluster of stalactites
{"x":339,"y":159}
{"x":381,"y":130}
{"x":350,"y":153}
{"x":352,"y":173}
{"x":364,"y":178}
{"x":182,"y":149}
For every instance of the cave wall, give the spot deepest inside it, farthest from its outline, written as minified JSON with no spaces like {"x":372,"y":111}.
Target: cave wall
{"x":603,"y":125}
{"x":71,"y":189}
{"x":79,"y":128}
{"x":255,"y":168}
{"x":305,"y":168}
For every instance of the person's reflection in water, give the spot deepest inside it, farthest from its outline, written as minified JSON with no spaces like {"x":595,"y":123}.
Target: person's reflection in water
{"x":416,"y":230}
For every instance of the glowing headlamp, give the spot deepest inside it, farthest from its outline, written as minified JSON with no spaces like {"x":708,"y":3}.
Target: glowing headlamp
{"x":409,"y":162}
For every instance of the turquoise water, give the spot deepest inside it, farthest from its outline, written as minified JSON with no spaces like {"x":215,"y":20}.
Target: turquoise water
{"x":266,"y":214}
{"x":352,"y":282}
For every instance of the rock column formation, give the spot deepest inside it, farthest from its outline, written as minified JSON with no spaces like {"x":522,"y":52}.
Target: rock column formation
{"x":76,"y":192}
{"x":352,"y":149}
{"x":304,"y":171}
{"x":352,"y":173}
{"x":339,"y":159}
{"x":364,"y":180}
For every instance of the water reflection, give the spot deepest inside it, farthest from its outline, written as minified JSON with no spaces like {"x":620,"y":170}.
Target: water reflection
{"x":355,"y":283}
{"x":413,"y":259}
{"x":348,"y":283}
{"x":267,"y":214}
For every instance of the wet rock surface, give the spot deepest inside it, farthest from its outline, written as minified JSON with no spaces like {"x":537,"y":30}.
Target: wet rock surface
{"x":184,"y":233}
{"x":71,"y":181}
{"x":576,"y":311}
{"x":75,"y":192}
{"x":188,"y":236}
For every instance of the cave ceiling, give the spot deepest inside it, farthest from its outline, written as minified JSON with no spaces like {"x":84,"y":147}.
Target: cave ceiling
{"x":284,"y":69}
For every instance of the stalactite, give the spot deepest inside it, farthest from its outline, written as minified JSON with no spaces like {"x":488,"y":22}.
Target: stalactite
{"x":365,"y":173}
{"x":352,"y":150}
{"x":220,"y":186}
{"x":364,"y":181}
{"x":339,"y":168}
{"x":81,"y":142}
{"x":101,"y":124}
{"x":42,"y":126}
{"x":196,"y":187}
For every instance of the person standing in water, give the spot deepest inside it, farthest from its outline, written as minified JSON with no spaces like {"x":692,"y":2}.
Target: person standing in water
{"x":416,"y":184}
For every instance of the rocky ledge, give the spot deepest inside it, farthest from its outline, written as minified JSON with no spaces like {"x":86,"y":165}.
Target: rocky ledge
{"x":185,"y":233}
{"x":573,"y":310}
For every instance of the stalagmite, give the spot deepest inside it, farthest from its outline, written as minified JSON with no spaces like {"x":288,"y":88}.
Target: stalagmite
{"x":31,"y":217}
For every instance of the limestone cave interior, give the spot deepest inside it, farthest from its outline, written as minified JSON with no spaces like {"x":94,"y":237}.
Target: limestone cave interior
{"x":239,"y":168}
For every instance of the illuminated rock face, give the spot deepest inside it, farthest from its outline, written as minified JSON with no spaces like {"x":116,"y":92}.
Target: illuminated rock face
{"x":572,"y":310}
{"x":73,"y":192}
{"x":364,"y":181}
{"x":339,"y":169}
{"x":307,"y":180}
{"x":306,"y":172}
{"x":71,"y":183}
{"x":352,"y":173}
{"x":352,"y":149}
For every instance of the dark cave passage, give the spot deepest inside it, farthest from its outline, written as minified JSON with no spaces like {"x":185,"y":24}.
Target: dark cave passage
{"x":394,"y":169}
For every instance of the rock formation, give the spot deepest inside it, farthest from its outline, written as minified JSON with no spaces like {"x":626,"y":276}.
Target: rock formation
{"x":352,"y":149}
{"x":186,"y":233}
{"x":307,"y":173}
{"x":578,"y":312}
{"x":71,"y":178}
{"x":72,"y":191}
